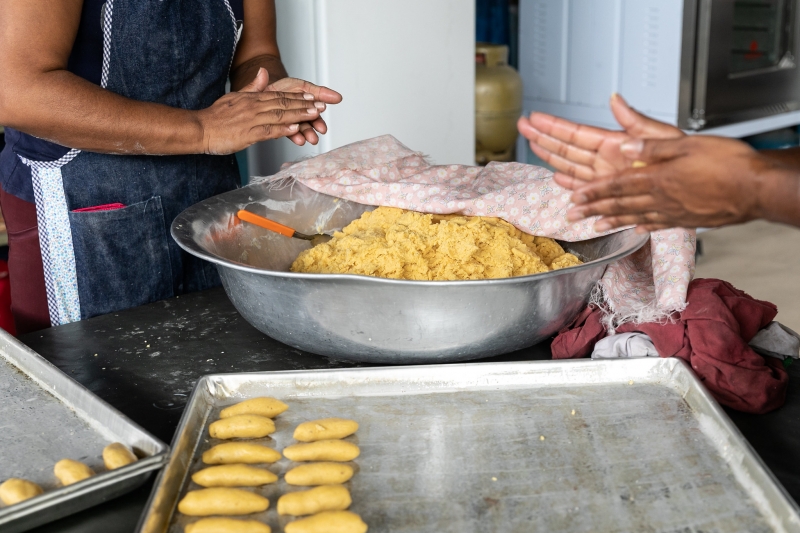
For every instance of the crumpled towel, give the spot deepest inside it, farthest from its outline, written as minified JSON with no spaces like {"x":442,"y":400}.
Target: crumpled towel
{"x":624,"y":345}
{"x":711,"y":334}
{"x":647,"y":286}
{"x":776,"y":340}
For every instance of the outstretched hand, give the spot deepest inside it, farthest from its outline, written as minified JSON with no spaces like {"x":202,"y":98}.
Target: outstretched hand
{"x":581,"y":153}
{"x":692,"y":182}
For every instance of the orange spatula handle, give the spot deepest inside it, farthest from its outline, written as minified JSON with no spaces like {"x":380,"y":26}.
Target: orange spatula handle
{"x":266,"y":223}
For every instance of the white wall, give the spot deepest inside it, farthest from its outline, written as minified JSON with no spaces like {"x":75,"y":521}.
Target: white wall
{"x":405,"y":68}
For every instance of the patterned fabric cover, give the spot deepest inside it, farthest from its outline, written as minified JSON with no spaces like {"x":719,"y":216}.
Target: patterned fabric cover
{"x":648,"y":286}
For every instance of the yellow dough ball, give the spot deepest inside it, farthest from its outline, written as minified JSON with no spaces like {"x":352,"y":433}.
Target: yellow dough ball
{"x":240,"y":452}
{"x":116,"y":455}
{"x":328,"y":522}
{"x":325,"y":429}
{"x":68,"y":471}
{"x":322,"y":450}
{"x":269,"y":407}
{"x":223,"y":501}
{"x":319,"y":474}
{"x":316,"y":500}
{"x":15,"y":490}
{"x":242,"y":427}
{"x":226,"y":525}
{"x":233,"y":476}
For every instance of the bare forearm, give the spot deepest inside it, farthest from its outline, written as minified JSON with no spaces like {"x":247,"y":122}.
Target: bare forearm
{"x":789,"y":156}
{"x":778,"y":191}
{"x":64,"y":108}
{"x":246,"y":72}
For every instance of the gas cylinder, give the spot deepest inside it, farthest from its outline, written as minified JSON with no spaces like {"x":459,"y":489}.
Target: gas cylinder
{"x":498,"y":104}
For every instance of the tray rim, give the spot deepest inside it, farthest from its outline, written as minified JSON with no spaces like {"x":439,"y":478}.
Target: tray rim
{"x":695,"y":393}
{"x":38,"y":369}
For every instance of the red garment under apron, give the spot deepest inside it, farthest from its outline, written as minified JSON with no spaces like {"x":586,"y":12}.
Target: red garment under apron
{"x":25,"y":270}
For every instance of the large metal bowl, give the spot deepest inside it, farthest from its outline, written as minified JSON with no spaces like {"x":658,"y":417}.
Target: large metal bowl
{"x":378,"y":320}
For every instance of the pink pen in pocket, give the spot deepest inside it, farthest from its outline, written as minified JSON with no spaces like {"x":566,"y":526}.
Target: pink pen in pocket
{"x":104,"y":207}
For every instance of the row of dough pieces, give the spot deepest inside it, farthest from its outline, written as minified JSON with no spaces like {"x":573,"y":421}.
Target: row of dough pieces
{"x":15,"y":490}
{"x":327,"y":503}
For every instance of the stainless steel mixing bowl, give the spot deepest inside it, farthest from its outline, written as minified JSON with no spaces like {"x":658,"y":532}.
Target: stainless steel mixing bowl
{"x":378,"y":320}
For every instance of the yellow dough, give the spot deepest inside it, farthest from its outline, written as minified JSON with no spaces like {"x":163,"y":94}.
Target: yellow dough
{"x":322,"y":450}
{"x":15,"y":490}
{"x":233,"y":476}
{"x":226,"y":525}
{"x":242,"y":427}
{"x":393,"y":243}
{"x":319,"y":474}
{"x":316,"y":500}
{"x":269,"y":407}
{"x":325,"y":429}
{"x":328,"y":522}
{"x":240,"y":452}
{"x":117,"y":455}
{"x":68,"y":471}
{"x":224,"y":501}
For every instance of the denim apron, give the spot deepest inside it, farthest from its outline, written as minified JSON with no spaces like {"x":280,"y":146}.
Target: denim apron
{"x":175,"y":53}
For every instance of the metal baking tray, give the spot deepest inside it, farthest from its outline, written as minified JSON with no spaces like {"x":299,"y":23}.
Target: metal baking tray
{"x":44,"y":417}
{"x":600,"y":446}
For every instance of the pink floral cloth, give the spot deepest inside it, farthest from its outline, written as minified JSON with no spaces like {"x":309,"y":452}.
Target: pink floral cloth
{"x":648,"y":286}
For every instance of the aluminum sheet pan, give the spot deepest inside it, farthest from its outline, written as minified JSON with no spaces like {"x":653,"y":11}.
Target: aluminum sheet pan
{"x":600,"y":446}
{"x":44,"y":417}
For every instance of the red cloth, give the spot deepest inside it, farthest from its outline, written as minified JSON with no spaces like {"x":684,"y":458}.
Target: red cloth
{"x":6,"y":318}
{"x":26,"y":272}
{"x":711,"y":335}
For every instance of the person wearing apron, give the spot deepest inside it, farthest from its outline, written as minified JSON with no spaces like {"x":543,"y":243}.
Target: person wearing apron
{"x":103,"y":218}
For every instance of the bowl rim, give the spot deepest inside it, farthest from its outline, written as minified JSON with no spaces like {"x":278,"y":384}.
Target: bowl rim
{"x":182,"y":233}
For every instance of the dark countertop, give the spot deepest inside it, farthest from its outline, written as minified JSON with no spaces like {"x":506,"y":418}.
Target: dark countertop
{"x":145,"y":362}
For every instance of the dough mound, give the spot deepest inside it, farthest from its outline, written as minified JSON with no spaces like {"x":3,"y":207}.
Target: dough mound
{"x":328,"y":522}
{"x":325,"y":429}
{"x":268,"y":407}
{"x":68,"y":471}
{"x":116,"y":455}
{"x":322,"y":450}
{"x":222,"y":501}
{"x":226,"y":525}
{"x":393,"y":243}
{"x":240,"y":452}
{"x":310,"y":474}
{"x":15,"y":490}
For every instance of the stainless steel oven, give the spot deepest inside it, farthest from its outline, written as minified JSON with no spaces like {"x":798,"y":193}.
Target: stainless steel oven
{"x":739,"y":61}
{"x":725,"y":66}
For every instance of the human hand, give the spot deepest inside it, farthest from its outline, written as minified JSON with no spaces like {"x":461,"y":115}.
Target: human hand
{"x":322,"y":96}
{"x":240,"y":119}
{"x":581,"y":153}
{"x":691,"y":182}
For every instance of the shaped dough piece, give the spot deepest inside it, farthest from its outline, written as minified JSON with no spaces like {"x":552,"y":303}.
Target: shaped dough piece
{"x":319,"y":474}
{"x":226,"y":525}
{"x":240,"y":452}
{"x":316,"y":500}
{"x":322,"y":450}
{"x":15,"y":490}
{"x":269,"y":407}
{"x":224,"y":501}
{"x":242,"y":427}
{"x":233,"y":476}
{"x":327,"y":428}
{"x":116,"y":455}
{"x":328,"y":522}
{"x":68,"y":471}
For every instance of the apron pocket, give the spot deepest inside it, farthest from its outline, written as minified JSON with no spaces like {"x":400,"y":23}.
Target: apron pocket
{"x":121,"y":257}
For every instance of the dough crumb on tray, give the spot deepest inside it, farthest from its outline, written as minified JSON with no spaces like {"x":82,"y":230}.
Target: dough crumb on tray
{"x":394,"y":243}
